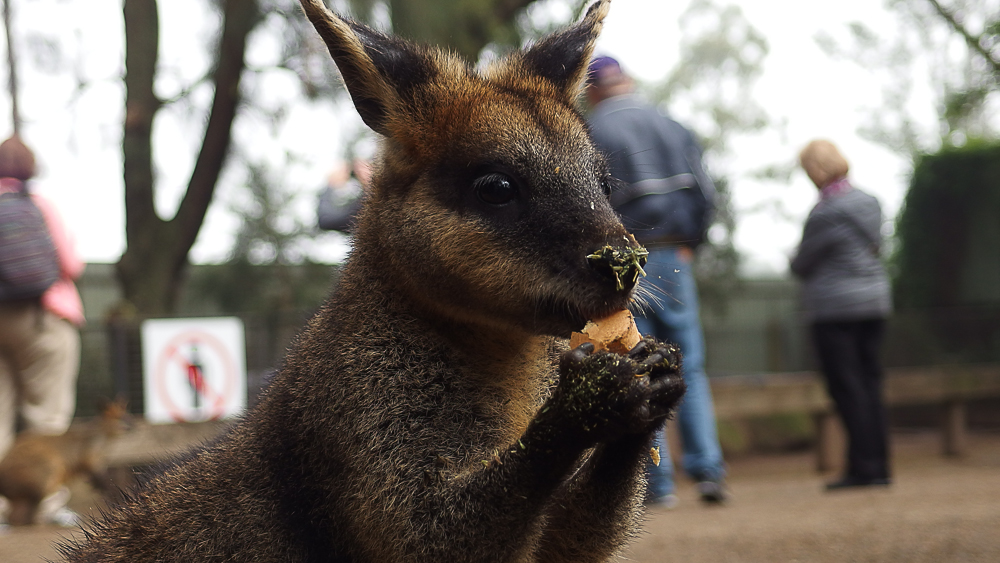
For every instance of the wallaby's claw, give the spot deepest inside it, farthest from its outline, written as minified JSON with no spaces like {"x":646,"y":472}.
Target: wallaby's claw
{"x":647,"y":365}
{"x":656,"y":357}
{"x":665,"y":394}
{"x":637,"y":349}
{"x":576,"y":355}
{"x":663,"y":367}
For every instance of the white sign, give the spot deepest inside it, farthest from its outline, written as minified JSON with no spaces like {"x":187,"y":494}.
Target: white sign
{"x":193,"y":369}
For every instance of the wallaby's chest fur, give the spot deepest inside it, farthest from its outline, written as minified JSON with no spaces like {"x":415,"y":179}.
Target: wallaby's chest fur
{"x":431,"y":411}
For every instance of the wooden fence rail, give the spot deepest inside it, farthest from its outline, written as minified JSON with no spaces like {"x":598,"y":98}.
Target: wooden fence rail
{"x":745,"y":396}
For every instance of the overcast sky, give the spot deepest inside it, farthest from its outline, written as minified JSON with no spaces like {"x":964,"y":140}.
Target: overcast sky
{"x":81,"y":161}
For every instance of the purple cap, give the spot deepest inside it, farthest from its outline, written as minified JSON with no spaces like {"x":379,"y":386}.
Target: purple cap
{"x":601,"y":68}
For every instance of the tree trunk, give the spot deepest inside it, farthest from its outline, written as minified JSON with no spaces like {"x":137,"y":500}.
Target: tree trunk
{"x":11,"y":69}
{"x":154,"y":263}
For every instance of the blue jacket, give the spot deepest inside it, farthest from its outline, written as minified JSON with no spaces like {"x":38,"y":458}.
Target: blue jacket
{"x":667,"y":196}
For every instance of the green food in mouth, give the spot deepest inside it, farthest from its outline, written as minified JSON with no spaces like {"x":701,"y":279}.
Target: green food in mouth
{"x":625,"y":264}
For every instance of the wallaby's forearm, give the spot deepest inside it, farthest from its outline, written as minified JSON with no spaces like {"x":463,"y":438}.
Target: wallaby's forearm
{"x":529,"y":481}
{"x":507,"y":495}
{"x":599,"y":504}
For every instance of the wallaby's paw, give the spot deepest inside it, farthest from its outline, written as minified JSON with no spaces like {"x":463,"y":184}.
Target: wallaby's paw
{"x":661,"y":363}
{"x":602,"y":396}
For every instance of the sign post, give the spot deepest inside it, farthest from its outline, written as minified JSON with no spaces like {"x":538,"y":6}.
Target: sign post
{"x":193,"y":369}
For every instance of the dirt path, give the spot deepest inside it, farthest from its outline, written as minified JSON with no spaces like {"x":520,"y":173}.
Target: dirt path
{"x":938,"y":510}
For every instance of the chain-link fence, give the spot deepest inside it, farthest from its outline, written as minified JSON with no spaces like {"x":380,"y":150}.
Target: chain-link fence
{"x":112,"y":364}
{"x":755,"y":329}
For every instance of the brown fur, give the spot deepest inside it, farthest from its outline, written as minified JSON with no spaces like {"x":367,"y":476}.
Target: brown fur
{"x":431,"y":411}
{"x":38,"y":465}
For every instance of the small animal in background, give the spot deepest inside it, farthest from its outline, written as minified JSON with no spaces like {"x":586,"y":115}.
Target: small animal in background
{"x":432,"y":410}
{"x":38,"y":465}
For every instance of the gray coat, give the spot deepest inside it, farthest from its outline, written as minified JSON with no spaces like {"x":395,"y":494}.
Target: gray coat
{"x":838,"y":260}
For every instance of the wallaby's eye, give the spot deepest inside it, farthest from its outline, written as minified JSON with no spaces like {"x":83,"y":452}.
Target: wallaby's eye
{"x":606,"y":185}
{"x":495,"y":188}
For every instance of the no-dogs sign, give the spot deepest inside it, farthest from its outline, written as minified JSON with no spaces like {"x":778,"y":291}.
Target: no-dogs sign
{"x":193,"y":369}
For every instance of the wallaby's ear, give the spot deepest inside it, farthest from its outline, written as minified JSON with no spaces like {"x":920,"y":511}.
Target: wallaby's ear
{"x":563,"y":57}
{"x":379,"y":71}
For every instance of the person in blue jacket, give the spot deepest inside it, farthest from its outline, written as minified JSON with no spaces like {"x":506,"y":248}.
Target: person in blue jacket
{"x":665,"y":200}
{"x":341,"y":199}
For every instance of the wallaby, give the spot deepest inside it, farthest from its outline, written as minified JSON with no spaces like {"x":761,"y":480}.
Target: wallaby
{"x":37,"y":465}
{"x":432,"y":411}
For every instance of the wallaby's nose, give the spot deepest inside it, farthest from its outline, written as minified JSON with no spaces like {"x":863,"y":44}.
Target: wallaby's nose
{"x":622,"y":264}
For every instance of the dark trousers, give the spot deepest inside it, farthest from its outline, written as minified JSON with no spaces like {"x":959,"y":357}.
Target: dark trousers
{"x":849,"y":357}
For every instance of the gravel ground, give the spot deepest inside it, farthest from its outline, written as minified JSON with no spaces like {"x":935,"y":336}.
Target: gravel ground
{"x":938,"y":510}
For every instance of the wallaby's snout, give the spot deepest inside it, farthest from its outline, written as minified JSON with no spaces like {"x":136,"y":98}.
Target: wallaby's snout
{"x":621,"y":263}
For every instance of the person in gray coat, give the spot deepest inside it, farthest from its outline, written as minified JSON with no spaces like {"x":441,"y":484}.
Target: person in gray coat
{"x":846,"y":299}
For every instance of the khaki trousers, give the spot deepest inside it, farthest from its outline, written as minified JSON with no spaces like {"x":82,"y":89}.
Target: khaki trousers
{"x":39,"y":364}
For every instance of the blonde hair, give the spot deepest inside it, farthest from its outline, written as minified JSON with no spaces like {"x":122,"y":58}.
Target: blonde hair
{"x":822,"y":162}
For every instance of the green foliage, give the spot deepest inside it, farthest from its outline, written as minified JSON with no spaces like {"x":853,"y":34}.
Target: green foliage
{"x":239,"y":287}
{"x":964,"y":108}
{"x":721,"y":60}
{"x":946,"y":266}
{"x":268,"y":233}
{"x":267,"y":272}
{"x":464,"y":26}
{"x":949,"y":230}
{"x":953,"y":46}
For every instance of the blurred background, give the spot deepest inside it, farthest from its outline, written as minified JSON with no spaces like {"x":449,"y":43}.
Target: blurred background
{"x":186,"y":141}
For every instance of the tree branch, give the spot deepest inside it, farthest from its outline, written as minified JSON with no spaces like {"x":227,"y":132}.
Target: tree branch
{"x":972,"y":40}
{"x":239,"y":18}
{"x":186,"y":91}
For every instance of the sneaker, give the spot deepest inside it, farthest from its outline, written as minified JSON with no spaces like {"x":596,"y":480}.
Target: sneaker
{"x":65,"y":518}
{"x":712,"y":491}
{"x":53,"y":510}
{"x":666,"y":502}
